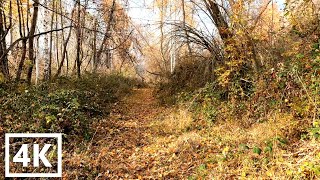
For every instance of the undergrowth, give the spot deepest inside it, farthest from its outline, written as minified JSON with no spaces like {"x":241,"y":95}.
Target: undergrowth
{"x":69,"y":106}
{"x":65,"y":105}
{"x":262,"y":127}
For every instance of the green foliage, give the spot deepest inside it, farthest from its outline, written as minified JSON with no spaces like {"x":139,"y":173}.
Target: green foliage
{"x":204,"y":102}
{"x":243,"y":147}
{"x":41,"y":111}
{"x":268,"y":148}
{"x":64,"y":106}
{"x":257,"y":150}
{"x":309,"y":168}
{"x":314,"y":131}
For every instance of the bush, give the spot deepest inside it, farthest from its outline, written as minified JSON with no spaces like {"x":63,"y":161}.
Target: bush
{"x":192,"y":73}
{"x":66,"y":106}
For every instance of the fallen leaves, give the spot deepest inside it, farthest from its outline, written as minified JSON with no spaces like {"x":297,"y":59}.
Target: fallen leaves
{"x":126,"y":146}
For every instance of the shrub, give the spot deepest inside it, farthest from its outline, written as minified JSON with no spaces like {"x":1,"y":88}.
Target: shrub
{"x":66,"y":106}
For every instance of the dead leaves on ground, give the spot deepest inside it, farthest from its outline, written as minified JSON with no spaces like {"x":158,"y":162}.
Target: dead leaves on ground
{"x":126,"y":146}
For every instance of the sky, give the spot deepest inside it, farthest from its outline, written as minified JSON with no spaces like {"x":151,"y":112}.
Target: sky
{"x":142,"y":10}
{"x":142,"y":13}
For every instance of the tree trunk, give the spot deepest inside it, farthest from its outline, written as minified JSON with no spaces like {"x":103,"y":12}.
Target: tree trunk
{"x":51,"y":42}
{"x":47,"y":63}
{"x":218,"y":19}
{"x":226,"y":34}
{"x":184,"y":25}
{"x":23,"y":57}
{"x":94,"y":46}
{"x":24,"y":41}
{"x":37,"y":62}
{"x":162,"y":35}
{"x":57,"y":35}
{"x":64,"y":53}
{"x":78,"y":63}
{"x":31,"y":39}
{"x":106,"y":35}
{"x":4,"y":70}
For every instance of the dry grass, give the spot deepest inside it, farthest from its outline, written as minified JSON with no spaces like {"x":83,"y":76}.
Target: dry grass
{"x":219,"y":147}
{"x":178,"y":144}
{"x":170,"y":143}
{"x":227,"y":159}
{"x":187,"y":143}
{"x":176,"y":121}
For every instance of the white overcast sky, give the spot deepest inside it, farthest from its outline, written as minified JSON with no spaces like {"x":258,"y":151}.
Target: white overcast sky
{"x":143,"y":13}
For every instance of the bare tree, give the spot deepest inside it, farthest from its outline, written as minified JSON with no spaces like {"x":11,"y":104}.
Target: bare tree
{"x":106,"y":35}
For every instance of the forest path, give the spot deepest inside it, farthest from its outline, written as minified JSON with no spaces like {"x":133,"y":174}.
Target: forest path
{"x":131,"y":132}
{"x":132,"y":143}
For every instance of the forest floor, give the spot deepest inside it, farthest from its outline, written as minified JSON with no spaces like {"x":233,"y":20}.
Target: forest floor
{"x":144,"y":140}
{"x":133,"y":143}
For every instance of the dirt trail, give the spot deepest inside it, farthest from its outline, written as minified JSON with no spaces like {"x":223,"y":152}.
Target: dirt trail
{"x":131,"y":144}
{"x":131,"y":132}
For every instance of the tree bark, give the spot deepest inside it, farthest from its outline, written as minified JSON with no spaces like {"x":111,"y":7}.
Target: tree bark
{"x":4,"y":69}
{"x":23,"y":57}
{"x":94,"y":46}
{"x":57,"y":34}
{"x":226,"y":34}
{"x":78,"y":63}
{"x":31,"y":39}
{"x":47,"y":63}
{"x":37,"y":62}
{"x":219,"y":20}
{"x":24,"y":41}
{"x":51,"y":42}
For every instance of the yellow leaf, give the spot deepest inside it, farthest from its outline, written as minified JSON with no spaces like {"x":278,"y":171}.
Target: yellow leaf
{"x":1,"y":78}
